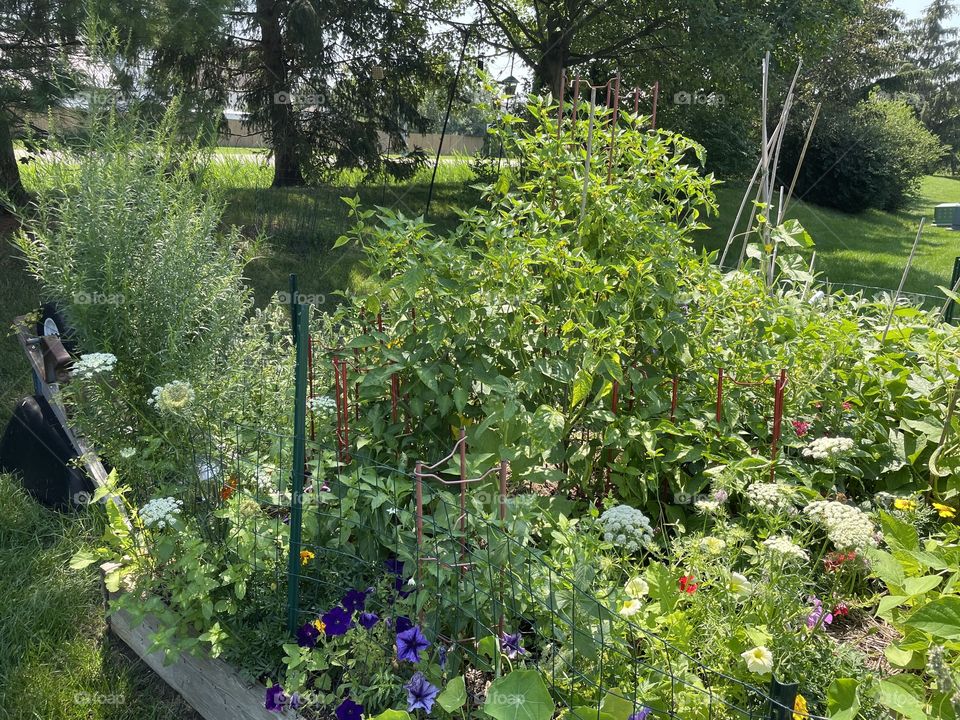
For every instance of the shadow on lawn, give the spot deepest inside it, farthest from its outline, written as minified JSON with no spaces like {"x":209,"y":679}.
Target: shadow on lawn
{"x":302,"y":224}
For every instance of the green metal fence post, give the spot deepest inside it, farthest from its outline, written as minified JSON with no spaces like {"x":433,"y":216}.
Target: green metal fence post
{"x":948,"y":315}
{"x":785,"y":694}
{"x":301,"y":317}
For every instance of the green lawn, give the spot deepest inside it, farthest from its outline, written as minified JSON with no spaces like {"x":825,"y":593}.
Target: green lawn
{"x":57,"y":661}
{"x":867,"y":249}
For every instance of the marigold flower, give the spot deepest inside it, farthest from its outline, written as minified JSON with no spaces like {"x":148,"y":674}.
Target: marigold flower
{"x":905,"y":504}
{"x":944,"y":511}
{"x":319,"y":625}
{"x":226,"y":492}
{"x":800,"y":711}
{"x":306,"y":556}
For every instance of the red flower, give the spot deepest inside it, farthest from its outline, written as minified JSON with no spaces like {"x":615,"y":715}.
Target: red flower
{"x":840,"y":610}
{"x":687,"y":584}
{"x":800,"y":427}
{"x":847,"y":406}
{"x":835,"y":560}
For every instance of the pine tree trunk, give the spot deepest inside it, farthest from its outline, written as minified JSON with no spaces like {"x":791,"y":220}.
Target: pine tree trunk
{"x":11,"y":189}
{"x":283,"y":134}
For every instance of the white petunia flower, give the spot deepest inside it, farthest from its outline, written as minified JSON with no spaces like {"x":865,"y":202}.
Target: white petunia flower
{"x":739,"y":585}
{"x":759,"y":660}
{"x":636,"y":588}
{"x":127,"y":452}
{"x":631,"y":608}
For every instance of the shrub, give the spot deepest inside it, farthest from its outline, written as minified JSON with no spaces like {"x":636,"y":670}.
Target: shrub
{"x":870,"y":156}
{"x":130,"y":245}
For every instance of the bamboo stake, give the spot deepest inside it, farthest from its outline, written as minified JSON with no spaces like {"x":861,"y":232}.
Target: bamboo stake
{"x":903,"y":280}
{"x":803,"y":155}
{"x":586,"y":167}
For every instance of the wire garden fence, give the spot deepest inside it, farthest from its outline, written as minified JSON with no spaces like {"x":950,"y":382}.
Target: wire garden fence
{"x":443,"y":544}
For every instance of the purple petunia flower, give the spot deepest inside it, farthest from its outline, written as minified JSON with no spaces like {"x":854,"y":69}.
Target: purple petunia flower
{"x":275,"y":699}
{"x":442,"y":657}
{"x":349,"y":710}
{"x":395,"y":567}
{"x":307,"y":635}
{"x":368,"y":620}
{"x":420,"y":693}
{"x":817,"y":615}
{"x":410,"y":643}
{"x":354,"y":600}
{"x":295,"y":701}
{"x":337,"y":621}
{"x":510,"y":645}
{"x":403,"y":623}
{"x":642,"y":714}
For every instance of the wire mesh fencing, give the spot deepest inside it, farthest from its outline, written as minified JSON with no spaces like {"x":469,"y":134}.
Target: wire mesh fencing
{"x":446,"y":545}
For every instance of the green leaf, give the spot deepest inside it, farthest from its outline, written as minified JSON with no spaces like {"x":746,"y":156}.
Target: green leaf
{"x":587,"y":712}
{"x":921,"y":585}
{"x":84,"y":558}
{"x":940,"y":618}
{"x":582,"y":384}
{"x":112,"y":581}
{"x":616,"y":705}
{"x":521,"y":695}
{"x":842,"y":700}
{"x":900,"y":695}
{"x":453,"y":697}
{"x":899,"y":534}
{"x":395,"y":714}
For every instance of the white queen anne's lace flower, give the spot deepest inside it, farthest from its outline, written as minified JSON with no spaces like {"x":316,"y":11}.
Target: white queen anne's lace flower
{"x":93,"y":364}
{"x":322,"y":405}
{"x":160,"y":512}
{"x":626,"y":526}
{"x":174,"y":398}
{"x":847,"y":527}
{"x":828,"y":448}
{"x":786,"y":547}
{"x":770,"y":498}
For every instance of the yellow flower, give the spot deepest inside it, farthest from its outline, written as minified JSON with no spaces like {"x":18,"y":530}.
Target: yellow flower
{"x":800,"y":711}
{"x":631,"y":608}
{"x":944,"y":511}
{"x":713,"y":545}
{"x":905,"y":504}
{"x":319,"y":625}
{"x":306,"y":556}
{"x":759,"y":660}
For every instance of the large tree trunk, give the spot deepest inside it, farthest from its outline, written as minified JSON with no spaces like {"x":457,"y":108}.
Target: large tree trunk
{"x":11,"y":189}
{"x":549,"y":71}
{"x":283,"y":134}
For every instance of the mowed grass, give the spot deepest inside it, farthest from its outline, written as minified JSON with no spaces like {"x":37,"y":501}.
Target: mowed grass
{"x":868,"y":249}
{"x":57,"y":660}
